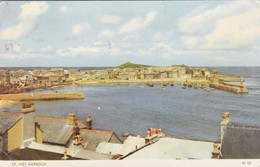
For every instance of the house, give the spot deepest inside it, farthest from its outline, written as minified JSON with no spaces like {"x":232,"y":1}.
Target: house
{"x":26,"y":136}
{"x":57,"y":71}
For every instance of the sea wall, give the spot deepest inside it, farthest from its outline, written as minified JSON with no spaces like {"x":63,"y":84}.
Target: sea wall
{"x":43,"y":96}
{"x":229,"y":87}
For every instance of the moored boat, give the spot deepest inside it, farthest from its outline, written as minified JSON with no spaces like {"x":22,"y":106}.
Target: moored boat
{"x":150,"y":84}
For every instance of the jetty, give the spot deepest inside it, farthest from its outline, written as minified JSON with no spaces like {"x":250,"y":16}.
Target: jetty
{"x":43,"y":96}
{"x":239,"y":89}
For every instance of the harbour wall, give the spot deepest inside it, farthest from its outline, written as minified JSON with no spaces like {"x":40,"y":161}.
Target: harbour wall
{"x":229,"y":87}
{"x":43,"y":96}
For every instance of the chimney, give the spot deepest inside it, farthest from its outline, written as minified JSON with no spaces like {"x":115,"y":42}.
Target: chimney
{"x":225,"y":122}
{"x":65,"y":157}
{"x":27,"y":114}
{"x":76,"y":134}
{"x":216,"y":152}
{"x":71,"y":119}
{"x":125,"y":136}
{"x":89,"y":122}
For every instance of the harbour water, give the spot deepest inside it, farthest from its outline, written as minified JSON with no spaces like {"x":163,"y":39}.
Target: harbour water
{"x":184,"y":113}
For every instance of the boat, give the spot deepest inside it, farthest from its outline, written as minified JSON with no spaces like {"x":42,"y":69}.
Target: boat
{"x":184,"y":84}
{"x":150,"y":84}
{"x":165,"y":84}
{"x":190,"y":85}
{"x":171,"y":84}
{"x":183,"y":87}
{"x":161,"y":88}
{"x":195,"y":87}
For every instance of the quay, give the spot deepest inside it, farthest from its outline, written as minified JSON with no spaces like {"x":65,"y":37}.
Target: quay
{"x":43,"y":96}
{"x":239,"y":89}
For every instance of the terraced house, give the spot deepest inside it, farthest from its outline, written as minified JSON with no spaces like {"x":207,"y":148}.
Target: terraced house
{"x":26,"y":136}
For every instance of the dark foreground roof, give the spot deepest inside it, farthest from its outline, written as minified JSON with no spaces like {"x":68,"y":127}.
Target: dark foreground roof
{"x":55,"y":129}
{"x":92,"y":138}
{"x":241,"y":143}
{"x":7,"y":120}
{"x":31,"y":154}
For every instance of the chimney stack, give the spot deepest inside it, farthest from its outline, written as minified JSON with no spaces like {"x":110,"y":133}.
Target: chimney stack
{"x":76,"y":134}
{"x":125,"y":136}
{"x":225,"y":122}
{"x":65,"y":157}
{"x":27,"y":113}
{"x":89,"y":122}
{"x":71,"y":119}
{"x":216,"y":152}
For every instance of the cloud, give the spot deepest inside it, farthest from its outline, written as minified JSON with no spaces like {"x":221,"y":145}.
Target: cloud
{"x":63,"y":9}
{"x":106,"y":33}
{"x":88,"y":51}
{"x":20,"y":54}
{"x":138,"y":23}
{"x":27,"y":20}
{"x":72,"y":52}
{"x":79,"y":28}
{"x":235,"y":25}
{"x":109,"y":19}
{"x":16,"y":48}
{"x":131,"y":37}
{"x":46,"y":49}
{"x":99,"y":43}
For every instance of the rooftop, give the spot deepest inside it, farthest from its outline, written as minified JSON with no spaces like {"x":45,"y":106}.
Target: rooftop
{"x":122,"y":149}
{"x":73,"y":151}
{"x":7,"y":121}
{"x":173,"y":148}
{"x":92,"y":138}
{"x":241,"y":142}
{"x":55,"y":129}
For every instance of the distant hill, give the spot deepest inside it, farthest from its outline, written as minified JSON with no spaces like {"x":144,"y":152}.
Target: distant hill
{"x":131,"y":65}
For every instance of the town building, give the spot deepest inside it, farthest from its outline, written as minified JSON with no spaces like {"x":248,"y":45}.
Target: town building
{"x":43,"y":137}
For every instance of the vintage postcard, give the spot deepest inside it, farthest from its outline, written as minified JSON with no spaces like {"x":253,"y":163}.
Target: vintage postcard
{"x":147,"y":81}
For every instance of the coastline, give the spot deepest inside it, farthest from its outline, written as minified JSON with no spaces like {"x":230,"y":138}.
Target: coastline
{"x":94,"y":82}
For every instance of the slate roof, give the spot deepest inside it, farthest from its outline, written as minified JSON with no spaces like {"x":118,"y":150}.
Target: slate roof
{"x":7,"y":120}
{"x":72,"y":151}
{"x":55,"y":129}
{"x":122,"y":149}
{"x":241,"y":142}
{"x":32,"y":154}
{"x":174,"y":148}
{"x":92,"y":138}
{"x":90,"y":155}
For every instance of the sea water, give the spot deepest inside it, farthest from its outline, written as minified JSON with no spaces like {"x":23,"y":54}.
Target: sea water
{"x":183,"y":113}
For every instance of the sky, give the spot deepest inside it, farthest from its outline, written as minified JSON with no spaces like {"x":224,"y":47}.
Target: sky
{"x":163,"y":33}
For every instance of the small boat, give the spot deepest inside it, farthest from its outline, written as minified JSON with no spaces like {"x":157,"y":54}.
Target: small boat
{"x":150,"y":84}
{"x":184,"y":84}
{"x":161,"y":88}
{"x":195,"y":87}
{"x":171,"y":84}
{"x":165,"y":84}
{"x":183,"y":87}
{"x":190,"y":85}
